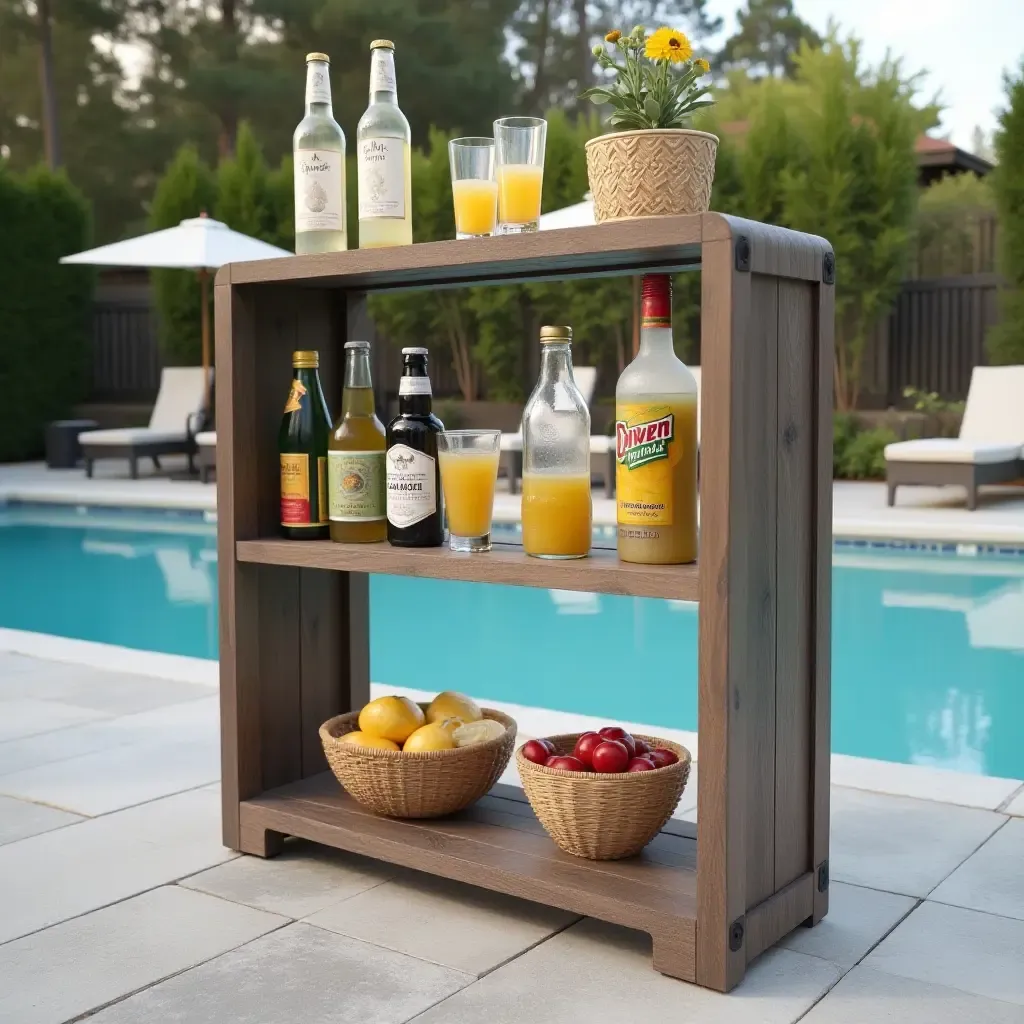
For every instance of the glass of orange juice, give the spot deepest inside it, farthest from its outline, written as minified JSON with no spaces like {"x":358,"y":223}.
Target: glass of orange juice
{"x":474,"y":190}
{"x":469,"y":471}
{"x":519,"y":168}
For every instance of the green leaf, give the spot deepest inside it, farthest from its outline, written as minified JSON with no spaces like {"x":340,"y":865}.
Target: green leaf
{"x":652,"y":108}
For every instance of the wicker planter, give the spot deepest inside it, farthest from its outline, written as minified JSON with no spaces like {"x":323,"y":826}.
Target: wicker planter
{"x":427,"y":784}
{"x":603,"y":817}
{"x":655,"y":172}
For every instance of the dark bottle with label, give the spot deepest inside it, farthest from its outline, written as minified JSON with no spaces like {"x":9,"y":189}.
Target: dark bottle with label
{"x":302,"y":445}
{"x":415,"y":515}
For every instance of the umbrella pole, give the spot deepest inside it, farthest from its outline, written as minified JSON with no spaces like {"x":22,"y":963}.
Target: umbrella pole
{"x":204,"y":301}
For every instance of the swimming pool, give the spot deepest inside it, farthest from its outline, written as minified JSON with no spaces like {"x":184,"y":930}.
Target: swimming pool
{"x":927,"y":662}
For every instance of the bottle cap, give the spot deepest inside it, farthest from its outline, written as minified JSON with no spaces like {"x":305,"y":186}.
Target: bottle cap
{"x":318,"y":56}
{"x":306,"y":360}
{"x":656,"y":301}
{"x":414,"y":351}
{"x":550,"y":335}
{"x":357,"y":344}
{"x":382,"y":44}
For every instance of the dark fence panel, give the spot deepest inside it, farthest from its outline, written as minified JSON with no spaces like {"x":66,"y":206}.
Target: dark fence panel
{"x":126,"y":360}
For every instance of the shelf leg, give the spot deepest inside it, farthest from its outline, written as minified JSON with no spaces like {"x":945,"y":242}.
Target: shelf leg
{"x":260,"y":842}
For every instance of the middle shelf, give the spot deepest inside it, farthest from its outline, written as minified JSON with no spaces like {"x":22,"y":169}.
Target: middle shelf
{"x":600,"y":573}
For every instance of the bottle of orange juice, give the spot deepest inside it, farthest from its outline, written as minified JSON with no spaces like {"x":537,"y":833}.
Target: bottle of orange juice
{"x":556,"y":510}
{"x":656,"y":442}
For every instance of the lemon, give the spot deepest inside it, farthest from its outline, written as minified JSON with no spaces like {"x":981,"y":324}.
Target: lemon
{"x":391,"y":718}
{"x":432,"y":736}
{"x":362,"y":739}
{"x":450,"y":704}
{"x":478,"y":732}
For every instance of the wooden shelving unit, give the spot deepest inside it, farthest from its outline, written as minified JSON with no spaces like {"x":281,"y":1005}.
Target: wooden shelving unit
{"x":294,"y":618}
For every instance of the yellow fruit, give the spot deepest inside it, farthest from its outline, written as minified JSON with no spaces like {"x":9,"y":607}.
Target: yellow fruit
{"x":363,"y":739}
{"x":478,"y":732}
{"x":432,"y":736}
{"x":450,"y":704}
{"x":391,"y":718}
{"x":451,"y":724}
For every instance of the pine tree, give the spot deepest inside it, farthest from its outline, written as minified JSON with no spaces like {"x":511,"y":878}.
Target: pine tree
{"x":1005,"y":342}
{"x":767,"y":39}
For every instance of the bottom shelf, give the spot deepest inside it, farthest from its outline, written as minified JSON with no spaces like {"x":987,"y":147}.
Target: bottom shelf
{"x":499,"y":844}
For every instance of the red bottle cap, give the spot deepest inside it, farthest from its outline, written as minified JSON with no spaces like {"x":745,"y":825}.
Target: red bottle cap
{"x":656,"y":303}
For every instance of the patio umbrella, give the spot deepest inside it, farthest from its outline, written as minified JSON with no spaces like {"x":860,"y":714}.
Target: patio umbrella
{"x":198,"y":243}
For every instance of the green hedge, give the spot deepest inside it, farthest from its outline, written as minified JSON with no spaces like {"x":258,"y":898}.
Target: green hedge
{"x":45,"y":308}
{"x":858,"y":454}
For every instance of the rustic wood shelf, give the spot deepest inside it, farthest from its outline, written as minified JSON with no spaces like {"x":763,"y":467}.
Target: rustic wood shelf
{"x":294,"y":622}
{"x":601,"y":573}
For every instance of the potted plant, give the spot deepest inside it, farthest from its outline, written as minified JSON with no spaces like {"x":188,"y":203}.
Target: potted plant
{"x":655,"y":166}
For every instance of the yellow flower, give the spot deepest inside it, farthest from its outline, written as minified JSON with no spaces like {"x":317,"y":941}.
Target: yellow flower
{"x":613,"y":37}
{"x":704,"y":66}
{"x":669,"y":44}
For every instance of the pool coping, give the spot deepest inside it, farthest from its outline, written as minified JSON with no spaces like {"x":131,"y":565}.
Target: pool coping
{"x":921,"y":782}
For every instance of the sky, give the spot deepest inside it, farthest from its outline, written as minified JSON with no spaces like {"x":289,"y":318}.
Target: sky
{"x":964,"y":45}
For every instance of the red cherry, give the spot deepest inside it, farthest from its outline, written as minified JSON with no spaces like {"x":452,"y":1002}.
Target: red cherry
{"x":614,"y":732}
{"x":640,"y":764}
{"x":584,"y":748}
{"x":538,"y":751}
{"x":565,"y":763}
{"x":662,"y":757}
{"x":610,"y":756}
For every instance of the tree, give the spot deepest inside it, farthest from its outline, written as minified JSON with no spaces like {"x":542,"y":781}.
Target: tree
{"x":949,"y":217}
{"x":1005,"y":341}
{"x":767,"y":39}
{"x":51,"y":127}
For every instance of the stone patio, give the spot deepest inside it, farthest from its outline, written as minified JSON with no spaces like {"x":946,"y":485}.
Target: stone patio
{"x":118,"y":903}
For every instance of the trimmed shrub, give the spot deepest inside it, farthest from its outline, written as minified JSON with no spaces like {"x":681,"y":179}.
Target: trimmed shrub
{"x":45,"y":308}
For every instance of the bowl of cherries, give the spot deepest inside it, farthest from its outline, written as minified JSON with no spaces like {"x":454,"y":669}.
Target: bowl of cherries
{"x":606,"y":794}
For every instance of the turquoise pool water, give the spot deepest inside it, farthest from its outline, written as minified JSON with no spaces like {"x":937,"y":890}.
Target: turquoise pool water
{"x":928,"y":648}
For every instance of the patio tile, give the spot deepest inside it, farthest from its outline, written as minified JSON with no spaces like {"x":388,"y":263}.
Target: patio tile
{"x":598,"y":972}
{"x":1016,"y":805}
{"x":992,"y":879}
{"x":299,"y":973}
{"x":902,"y":845}
{"x":963,"y":949}
{"x":303,"y":879}
{"x":867,"y":995}
{"x":459,"y":926}
{"x":79,"y":965}
{"x":857,"y":919}
{"x":20,"y":819}
{"x":57,"y":875}
{"x":28,"y":716}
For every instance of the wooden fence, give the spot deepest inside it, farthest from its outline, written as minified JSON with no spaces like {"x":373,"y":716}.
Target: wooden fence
{"x":126,"y":360}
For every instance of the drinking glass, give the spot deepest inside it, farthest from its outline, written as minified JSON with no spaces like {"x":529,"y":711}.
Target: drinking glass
{"x":469,"y":471}
{"x":519,"y":167}
{"x":474,"y":190}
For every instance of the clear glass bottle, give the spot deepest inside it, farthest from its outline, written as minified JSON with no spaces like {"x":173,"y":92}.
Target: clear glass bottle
{"x":318,"y":153}
{"x":557,"y":508}
{"x":383,"y":158}
{"x":355,"y":457}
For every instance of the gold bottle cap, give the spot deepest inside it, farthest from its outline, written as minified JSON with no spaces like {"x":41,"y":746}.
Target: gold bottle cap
{"x":549,"y":335}
{"x":307,"y":360}
{"x":382,"y":44}
{"x":318,"y":56}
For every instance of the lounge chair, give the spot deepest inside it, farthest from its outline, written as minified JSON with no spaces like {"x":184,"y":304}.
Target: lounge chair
{"x":989,"y":450}
{"x":206,"y":447}
{"x":179,"y":407}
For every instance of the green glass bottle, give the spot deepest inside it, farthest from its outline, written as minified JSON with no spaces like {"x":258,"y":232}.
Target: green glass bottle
{"x":302,"y":444}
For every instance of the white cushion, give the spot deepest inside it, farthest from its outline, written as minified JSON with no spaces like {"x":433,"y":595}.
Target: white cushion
{"x":132,"y":435}
{"x":995,"y":406}
{"x":181,"y":395}
{"x":586,"y":378}
{"x":207,"y":439}
{"x":512,"y":442}
{"x":947,"y":449}
{"x":599,"y":443}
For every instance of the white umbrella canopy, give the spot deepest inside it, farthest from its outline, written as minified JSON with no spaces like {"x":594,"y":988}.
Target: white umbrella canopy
{"x":579,"y":215}
{"x":197,"y":243}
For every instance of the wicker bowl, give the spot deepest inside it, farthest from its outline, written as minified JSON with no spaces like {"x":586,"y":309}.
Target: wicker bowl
{"x":652,"y":172}
{"x":425,"y":784}
{"x":603,"y":817}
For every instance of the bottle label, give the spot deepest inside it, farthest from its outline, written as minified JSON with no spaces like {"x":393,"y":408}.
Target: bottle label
{"x":646,"y":453}
{"x":321,"y":488}
{"x":318,"y":83}
{"x":319,"y":190}
{"x":295,"y":393}
{"x":295,"y":505}
{"x":382,"y":71}
{"x":356,"y":483}
{"x":414,"y":386}
{"x":381,"y":178}
{"x":411,"y":486}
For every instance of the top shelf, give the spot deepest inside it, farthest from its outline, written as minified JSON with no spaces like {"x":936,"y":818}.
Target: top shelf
{"x":622,"y":247}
